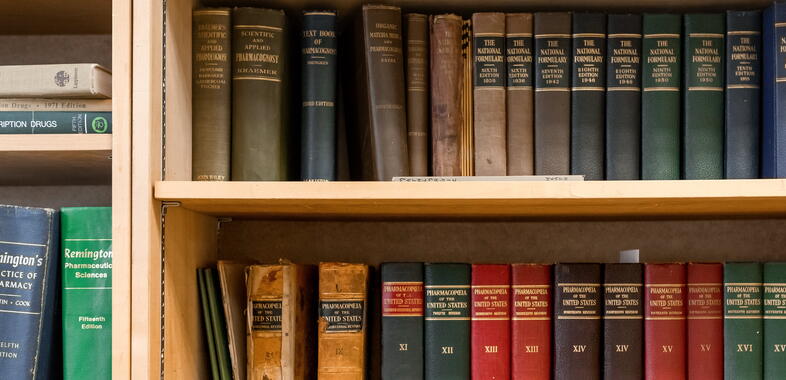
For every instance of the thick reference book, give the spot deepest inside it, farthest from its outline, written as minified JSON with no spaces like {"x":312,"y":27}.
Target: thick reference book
{"x":55,"y":122}
{"x":623,"y":322}
{"x":530,"y":326}
{"x":402,"y":321}
{"x":660,"y":99}
{"x":743,"y":325}
{"x":773,"y":148}
{"x":664,"y":322}
{"x":68,"y":80}
{"x":774,"y":300}
{"x":447,"y":76}
{"x":417,"y":76}
{"x":743,"y":94}
{"x":232,"y":279}
{"x":490,"y":321}
{"x":577,"y":321}
{"x":447,"y":321}
{"x":520,"y":117}
{"x":552,"y":92}
{"x":86,"y":243}
{"x":705,"y":321}
{"x":29,"y":311}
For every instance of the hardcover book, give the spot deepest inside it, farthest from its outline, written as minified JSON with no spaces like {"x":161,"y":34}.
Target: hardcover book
{"x":664,"y":322}
{"x":705,"y":321}
{"x":55,"y":122}
{"x":217,"y":324}
{"x":773,"y":148}
{"x":232,"y":279}
{"x":71,"y":80}
{"x":577,"y":321}
{"x":490,"y":321}
{"x":447,"y":321}
{"x":210,"y":336}
{"x":467,"y":141}
{"x":623,"y":322}
{"x":743,"y":325}
{"x":520,"y":117}
{"x":774,"y":320}
{"x":531,"y":322}
{"x":447,"y":77}
{"x":402,"y":320}
{"x":417,"y":76}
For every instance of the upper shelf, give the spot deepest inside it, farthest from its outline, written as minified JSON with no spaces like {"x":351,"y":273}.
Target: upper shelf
{"x":56,"y":17}
{"x":592,"y":199}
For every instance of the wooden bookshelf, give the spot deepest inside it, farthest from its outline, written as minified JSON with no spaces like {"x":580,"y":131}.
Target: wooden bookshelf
{"x":56,"y":17}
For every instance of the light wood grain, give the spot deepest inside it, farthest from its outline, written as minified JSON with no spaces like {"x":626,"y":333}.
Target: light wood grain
{"x":55,"y":159}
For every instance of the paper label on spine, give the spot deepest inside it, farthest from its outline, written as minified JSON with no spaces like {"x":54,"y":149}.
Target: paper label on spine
{"x":267,"y":316}
{"x":342,"y":316}
{"x":402,"y":299}
{"x":519,"y":61}
{"x":589,"y":54}
{"x":661,"y":63}
{"x":624,"y":66}
{"x":489,"y":61}
{"x":447,"y":302}
{"x":552,"y":63}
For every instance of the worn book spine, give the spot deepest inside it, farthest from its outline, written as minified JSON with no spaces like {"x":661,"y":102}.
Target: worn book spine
{"x":520,"y":117}
{"x":402,"y":321}
{"x":68,"y":80}
{"x":774,"y":300}
{"x":447,"y":321}
{"x":211,"y":94}
{"x":588,"y":96}
{"x":743,"y":94}
{"x":319,"y":65}
{"x":490,"y":321}
{"x":703,"y":115}
{"x":773,"y":148}
{"x":705,"y":321}
{"x":467,"y":141}
{"x":623,"y":322}
{"x":743,"y":326}
{"x":552,"y":92}
{"x":55,"y":122}
{"x":623,"y":97}
{"x":447,"y":76}
{"x":417,"y":77}
{"x":50,"y":104}
{"x":232,"y":278}
{"x":660,"y":98}
{"x":664,"y":322}
{"x":530,"y":322}
{"x":577,"y":321}
{"x":488,"y":34}
{"x":259,"y":84}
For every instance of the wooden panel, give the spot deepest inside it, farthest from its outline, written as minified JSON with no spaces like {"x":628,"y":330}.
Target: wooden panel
{"x":56,"y":17}
{"x":55,"y":159}
{"x":58,"y":48}
{"x":57,"y":196}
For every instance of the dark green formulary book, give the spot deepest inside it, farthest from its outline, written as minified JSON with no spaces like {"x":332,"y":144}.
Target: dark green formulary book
{"x":87,"y":292}
{"x":774,"y":300}
{"x":402,"y":321}
{"x":743,"y":328}
{"x":703,"y":100}
{"x":53,"y":122}
{"x":260,"y":136}
{"x":29,"y":286}
{"x":447,"y":321}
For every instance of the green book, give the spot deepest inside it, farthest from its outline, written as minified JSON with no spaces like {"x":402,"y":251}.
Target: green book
{"x":219,"y":327}
{"x":774,"y":321}
{"x":86,"y":234}
{"x":742,"y":321}
{"x":209,"y":336}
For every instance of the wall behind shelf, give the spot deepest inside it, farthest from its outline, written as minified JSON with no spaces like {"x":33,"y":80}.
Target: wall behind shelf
{"x":56,"y":196}
{"x":41,"y":49}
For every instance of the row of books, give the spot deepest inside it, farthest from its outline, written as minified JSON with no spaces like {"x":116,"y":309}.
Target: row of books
{"x":619,"y":96}
{"x":455,"y":321}
{"x":55,"y":293}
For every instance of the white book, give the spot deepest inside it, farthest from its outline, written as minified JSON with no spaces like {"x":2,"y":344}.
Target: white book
{"x":78,"y":80}
{"x":54,"y":104}
{"x":513,"y":178}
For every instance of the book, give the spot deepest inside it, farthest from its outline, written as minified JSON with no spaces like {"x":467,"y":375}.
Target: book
{"x":402,"y":320}
{"x":232,"y":279}
{"x":55,"y":122}
{"x":773,"y":143}
{"x":743,"y":326}
{"x":588,"y":96}
{"x":207,"y":322}
{"x":417,"y":77}
{"x":218,"y":324}
{"x":552,"y":92}
{"x":623,"y":322}
{"x":577,"y":321}
{"x":774,"y":275}
{"x":488,"y":34}
{"x":29,"y":312}
{"x":660,"y":99}
{"x":447,"y":321}
{"x":519,"y":97}
{"x":55,"y":104}
{"x":490,"y":321}
{"x":703,"y":96}
{"x":343,"y":298}
{"x":319,"y":66}
{"x":530,"y":322}
{"x":211,"y":93}
{"x":705,"y":320}
{"x":86,"y":242}
{"x":664,"y":322}
{"x":447,"y":78}
{"x":623,"y":97}
{"x":467,"y":141}
{"x":743,"y":94}
{"x":68,"y":80}
{"x":259,"y":85}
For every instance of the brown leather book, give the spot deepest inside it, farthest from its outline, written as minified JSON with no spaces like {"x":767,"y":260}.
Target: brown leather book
{"x":466,"y":139}
{"x":343,"y":309}
{"x":417,"y":92}
{"x":280,"y":321}
{"x":488,"y":34}
{"x":521,"y":136}
{"x":447,"y":75}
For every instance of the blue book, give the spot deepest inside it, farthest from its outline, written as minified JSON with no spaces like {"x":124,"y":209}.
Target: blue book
{"x":773,"y":160}
{"x":29,"y":251}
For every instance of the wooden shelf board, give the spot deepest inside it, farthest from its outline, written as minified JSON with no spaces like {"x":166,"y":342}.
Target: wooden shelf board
{"x":56,"y":17}
{"x":592,"y":199}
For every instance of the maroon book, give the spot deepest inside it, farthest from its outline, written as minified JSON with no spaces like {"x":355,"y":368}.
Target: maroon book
{"x":531,"y":322}
{"x":490,"y":322}
{"x":664,"y":322}
{"x":705,"y":321}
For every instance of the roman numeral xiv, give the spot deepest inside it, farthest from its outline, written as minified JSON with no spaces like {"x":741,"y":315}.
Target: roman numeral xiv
{"x":579,"y":348}
{"x":622,"y":347}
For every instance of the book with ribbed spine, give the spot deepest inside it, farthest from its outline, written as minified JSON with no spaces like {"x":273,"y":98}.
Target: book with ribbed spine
{"x":531,"y":308}
{"x":774,"y":294}
{"x":577,"y":321}
{"x":467,"y":140}
{"x":402,"y":320}
{"x":490,"y":321}
{"x":447,"y":89}
{"x":488,"y":34}
{"x":705,"y":321}
{"x":623,"y":321}
{"x":773,"y":142}
{"x":518,"y":61}
{"x":417,"y":77}
{"x":665,"y":342}
{"x":743,"y":325}
{"x":447,"y":321}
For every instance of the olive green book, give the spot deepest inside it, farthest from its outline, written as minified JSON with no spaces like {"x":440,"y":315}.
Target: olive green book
{"x":209,"y":336}
{"x":219,"y":327}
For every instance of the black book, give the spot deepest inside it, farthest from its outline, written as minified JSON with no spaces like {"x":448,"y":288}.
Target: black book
{"x":577,"y":322}
{"x":623,"y":323}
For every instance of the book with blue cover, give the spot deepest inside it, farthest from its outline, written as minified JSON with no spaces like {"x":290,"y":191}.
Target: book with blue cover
{"x":773,"y":150}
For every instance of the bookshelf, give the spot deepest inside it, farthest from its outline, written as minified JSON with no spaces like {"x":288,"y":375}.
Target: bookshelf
{"x":55,"y":159}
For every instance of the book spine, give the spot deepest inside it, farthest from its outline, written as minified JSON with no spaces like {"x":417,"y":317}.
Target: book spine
{"x":62,"y":105}
{"x":531,"y":322}
{"x":447,"y":321}
{"x":488,"y":33}
{"x":319,"y":70}
{"x":467,"y":151}
{"x":218,"y":324}
{"x":402,"y":321}
{"x":705,"y":321}
{"x":447,"y":78}
{"x":773,"y":151}
{"x":664,"y":322}
{"x":490,"y":321}
{"x":55,"y":122}
{"x":577,"y":321}
{"x":232,"y":280}
{"x":623,"y":322}
{"x":265,"y":287}
{"x":743,"y":326}
{"x":552,"y":93}
{"x":68,"y":80}
{"x":660,"y":99}
{"x":298,"y":329}
{"x":86,"y":237}
{"x":774,"y":320}
{"x":623,"y":98}
{"x":417,"y":77}
{"x":211,"y":94}
{"x":208,"y":325}
{"x":259,"y":111}
{"x":343,"y":299}
{"x":743,"y":97}
{"x":588,"y":96}
{"x":518,"y":61}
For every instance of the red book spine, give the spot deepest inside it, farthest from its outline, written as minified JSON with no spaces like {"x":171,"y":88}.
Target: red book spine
{"x":664,"y":322}
{"x":705,"y":321}
{"x":490,"y":322}
{"x":531,"y":322}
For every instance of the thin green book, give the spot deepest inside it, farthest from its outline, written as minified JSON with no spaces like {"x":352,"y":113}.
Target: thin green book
{"x":211,"y":342}
{"x":219,"y":326}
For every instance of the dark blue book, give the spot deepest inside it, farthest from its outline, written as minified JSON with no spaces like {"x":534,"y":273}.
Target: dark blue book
{"x":402,"y":321}
{"x":773,"y":151}
{"x":743,"y":97}
{"x":29,"y":252}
